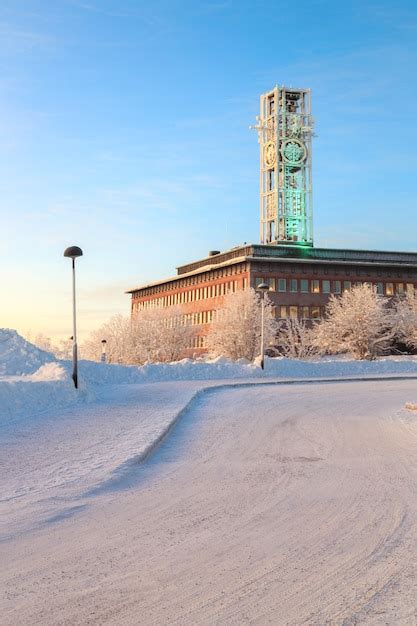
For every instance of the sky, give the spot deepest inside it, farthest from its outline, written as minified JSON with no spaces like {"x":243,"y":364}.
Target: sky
{"x":124,"y":129}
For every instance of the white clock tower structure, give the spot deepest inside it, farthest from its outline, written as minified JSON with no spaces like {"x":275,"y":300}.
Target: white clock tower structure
{"x":285,"y":130}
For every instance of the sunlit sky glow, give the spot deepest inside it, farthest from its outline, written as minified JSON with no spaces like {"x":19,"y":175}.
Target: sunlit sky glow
{"x":124,"y":130}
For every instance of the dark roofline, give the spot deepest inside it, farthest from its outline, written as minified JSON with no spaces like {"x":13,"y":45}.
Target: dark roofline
{"x":303,"y":253}
{"x":296,"y":254}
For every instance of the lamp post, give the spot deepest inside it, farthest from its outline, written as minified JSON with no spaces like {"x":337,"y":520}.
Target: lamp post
{"x":103,"y":351}
{"x":73,"y":252}
{"x":263,"y":288}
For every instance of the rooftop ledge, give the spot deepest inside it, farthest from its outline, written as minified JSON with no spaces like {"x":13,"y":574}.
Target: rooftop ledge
{"x":298,"y":253}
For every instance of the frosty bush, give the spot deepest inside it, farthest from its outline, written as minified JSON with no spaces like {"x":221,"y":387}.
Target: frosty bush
{"x":406,"y":321}
{"x":154,"y":335}
{"x":61,"y":350}
{"x":295,"y":339}
{"x":236,"y":329}
{"x":161,"y":335}
{"x":359,"y":323}
{"x":117,"y":332}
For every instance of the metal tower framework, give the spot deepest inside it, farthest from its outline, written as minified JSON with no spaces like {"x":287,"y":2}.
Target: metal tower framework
{"x":285,"y":130}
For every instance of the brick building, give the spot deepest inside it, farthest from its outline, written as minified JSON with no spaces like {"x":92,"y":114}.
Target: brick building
{"x":300,"y":280}
{"x":300,"y":276}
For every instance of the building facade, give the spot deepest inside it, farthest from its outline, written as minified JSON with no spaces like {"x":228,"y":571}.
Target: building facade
{"x":301,"y":278}
{"x":300,"y":281}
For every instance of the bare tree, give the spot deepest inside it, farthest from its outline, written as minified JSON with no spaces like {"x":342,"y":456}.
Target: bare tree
{"x":359,"y":323}
{"x":236,"y":329}
{"x":295,"y":339}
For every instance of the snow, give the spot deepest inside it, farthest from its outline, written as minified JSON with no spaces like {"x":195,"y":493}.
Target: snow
{"x":91,"y":435}
{"x":260,"y":492}
{"x":18,"y":356}
{"x":266,"y":504}
{"x":33,"y":382}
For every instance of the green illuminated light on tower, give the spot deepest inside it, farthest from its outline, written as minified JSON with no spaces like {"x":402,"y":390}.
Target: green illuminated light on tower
{"x":285,"y":130}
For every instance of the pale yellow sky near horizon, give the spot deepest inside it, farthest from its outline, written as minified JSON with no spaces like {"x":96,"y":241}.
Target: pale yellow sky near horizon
{"x":40,"y":309}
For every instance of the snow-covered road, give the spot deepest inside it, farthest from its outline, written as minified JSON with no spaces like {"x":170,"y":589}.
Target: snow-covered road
{"x":281,"y":505}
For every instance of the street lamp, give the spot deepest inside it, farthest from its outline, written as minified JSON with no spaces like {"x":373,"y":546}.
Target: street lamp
{"x":103,"y":351}
{"x":262,"y":288}
{"x":73,"y":252}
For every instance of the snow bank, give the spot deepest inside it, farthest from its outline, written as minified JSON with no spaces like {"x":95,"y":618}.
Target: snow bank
{"x":221,"y":368}
{"x":25,"y":396}
{"x":18,"y":356}
{"x":32,"y":381}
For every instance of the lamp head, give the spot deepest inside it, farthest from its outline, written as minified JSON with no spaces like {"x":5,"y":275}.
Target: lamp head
{"x":263,"y":287}
{"x":73,"y":252}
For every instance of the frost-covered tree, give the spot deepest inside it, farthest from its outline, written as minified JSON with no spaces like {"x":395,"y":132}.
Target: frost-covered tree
{"x":64,"y":349}
{"x":155,"y":335}
{"x":117,"y":332}
{"x":405,"y":320}
{"x":295,"y":339}
{"x":161,"y":335}
{"x":358,"y":323}
{"x":41,"y":341}
{"x":236,"y":329}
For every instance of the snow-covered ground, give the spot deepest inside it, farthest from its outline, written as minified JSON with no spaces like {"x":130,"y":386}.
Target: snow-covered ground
{"x":282,"y":504}
{"x":32,"y":381}
{"x":266,"y":501}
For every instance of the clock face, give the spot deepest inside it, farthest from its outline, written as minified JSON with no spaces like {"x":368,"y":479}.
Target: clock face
{"x":270,"y":154}
{"x":294,"y":151}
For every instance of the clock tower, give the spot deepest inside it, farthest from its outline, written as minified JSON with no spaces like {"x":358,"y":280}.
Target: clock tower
{"x":285,"y":129}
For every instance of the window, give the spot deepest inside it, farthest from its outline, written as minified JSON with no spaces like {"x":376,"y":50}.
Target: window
{"x":399,"y":288}
{"x":410,"y":289}
{"x":293,"y":311}
{"x":380,"y":289}
{"x":389,"y":289}
{"x":315,"y":312}
{"x":282,"y":284}
{"x":326,"y":286}
{"x":259,"y":280}
{"x":305,"y":312}
{"x":337,"y":286}
{"x":283,"y":313}
{"x":271,"y":180}
{"x":315,"y":286}
{"x":293,"y":285}
{"x":304,"y":285}
{"x":347,"y":285}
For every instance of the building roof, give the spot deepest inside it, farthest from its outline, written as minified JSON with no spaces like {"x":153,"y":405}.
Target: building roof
{"x":294,"y":253}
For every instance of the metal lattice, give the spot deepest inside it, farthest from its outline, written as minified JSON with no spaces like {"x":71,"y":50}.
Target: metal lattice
{"x":285,"y":131}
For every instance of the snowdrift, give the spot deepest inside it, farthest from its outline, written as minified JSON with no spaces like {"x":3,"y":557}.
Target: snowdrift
{"x":33,"y":381}
{"x":18,"y":356}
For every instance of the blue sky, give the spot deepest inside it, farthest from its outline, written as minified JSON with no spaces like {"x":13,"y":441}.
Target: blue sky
{"x":124,"y":129}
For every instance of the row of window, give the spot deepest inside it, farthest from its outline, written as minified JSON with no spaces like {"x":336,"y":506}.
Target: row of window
{"x":304,"y":285}
{"x":202,"y":317}
{"x":300,"y":312}
{"x":193,"y":295}
{"x":199,"y":342}
{"x":223,"y":272}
